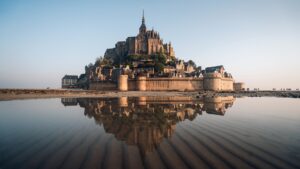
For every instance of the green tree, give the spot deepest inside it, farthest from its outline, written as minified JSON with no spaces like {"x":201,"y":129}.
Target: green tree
{"x":106,"y":62}
{"x":131,"y":58}
{"x":98,"y":61}
{"x":172,"y":63}
{"x":159,"y":58}
{"x":199,"y":68}
{"x":192,"y":63}
{"x":90,"y":65}
{"x":159,"y":67}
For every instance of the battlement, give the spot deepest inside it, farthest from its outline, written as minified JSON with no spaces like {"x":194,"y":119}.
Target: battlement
{"x":216,"y":75}
{"x":213,"y":75}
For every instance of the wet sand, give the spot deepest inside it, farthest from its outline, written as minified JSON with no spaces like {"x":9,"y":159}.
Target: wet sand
{"x":11,"y":94}
{"x":289,"y":94}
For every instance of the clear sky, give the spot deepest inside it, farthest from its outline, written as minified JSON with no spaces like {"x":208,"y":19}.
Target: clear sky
{"x":258,"y":41}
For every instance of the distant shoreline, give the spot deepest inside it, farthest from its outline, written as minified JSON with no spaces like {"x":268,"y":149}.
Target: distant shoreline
{"x":15,"y":94}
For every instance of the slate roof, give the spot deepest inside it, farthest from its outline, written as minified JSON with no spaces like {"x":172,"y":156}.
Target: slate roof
{"x":213,"y":69}
{"x":70,"y":77}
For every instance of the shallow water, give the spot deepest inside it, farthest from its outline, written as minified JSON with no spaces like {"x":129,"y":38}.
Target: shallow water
{"x":150,"y":133}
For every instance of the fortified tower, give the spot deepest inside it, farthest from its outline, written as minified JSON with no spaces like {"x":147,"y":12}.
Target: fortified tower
{"x":212,"y":81}
{"x":123,"y":83}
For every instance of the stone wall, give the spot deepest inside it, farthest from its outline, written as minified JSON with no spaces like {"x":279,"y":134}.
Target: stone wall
{"x":165,"y":84}
{"x":103,"y":85}
{"x":132,"y":85}
{"x":174,"y":84}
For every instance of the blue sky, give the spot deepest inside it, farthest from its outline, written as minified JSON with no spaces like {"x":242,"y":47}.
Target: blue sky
{"x":258,"y":41}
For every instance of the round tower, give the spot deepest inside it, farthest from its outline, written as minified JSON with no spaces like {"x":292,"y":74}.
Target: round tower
{"x":141,"y":83}
{"x":212,"y":81}
{"x":123,"y":83}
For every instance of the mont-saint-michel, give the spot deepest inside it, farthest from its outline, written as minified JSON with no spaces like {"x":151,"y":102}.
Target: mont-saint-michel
{"x":92,"y":84}
{"x":145,"y":63}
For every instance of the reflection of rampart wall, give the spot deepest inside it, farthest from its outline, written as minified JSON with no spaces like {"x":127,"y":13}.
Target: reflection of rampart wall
{"x":218,"y":105}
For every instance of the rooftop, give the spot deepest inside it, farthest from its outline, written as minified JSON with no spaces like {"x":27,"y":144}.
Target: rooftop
{"x":70,"y":77}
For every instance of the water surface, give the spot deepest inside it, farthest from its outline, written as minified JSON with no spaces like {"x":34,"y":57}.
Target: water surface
{"x":221,"y":132}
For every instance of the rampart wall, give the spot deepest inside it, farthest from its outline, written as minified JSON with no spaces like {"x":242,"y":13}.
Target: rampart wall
{"x":103,"y":85}
{"x":173,"y":84}
{"x":213,"y":82}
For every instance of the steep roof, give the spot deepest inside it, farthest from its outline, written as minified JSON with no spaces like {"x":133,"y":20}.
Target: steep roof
{"x":213,"y":68}
{"x":70,"y":77}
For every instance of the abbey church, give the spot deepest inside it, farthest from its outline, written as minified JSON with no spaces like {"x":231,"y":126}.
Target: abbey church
{"x":147,"y":42}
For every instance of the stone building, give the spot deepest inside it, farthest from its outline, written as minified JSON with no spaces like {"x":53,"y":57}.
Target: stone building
{"x":239,"y":86}
{"x":188,"y":68}
{"x":147,"y":42}
{"x":69,"y":81}
{"x":215,"y":69}
{"x":180,"y":65}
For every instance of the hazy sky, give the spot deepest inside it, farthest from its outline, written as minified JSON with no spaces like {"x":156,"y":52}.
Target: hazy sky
{"x":258,"y":41}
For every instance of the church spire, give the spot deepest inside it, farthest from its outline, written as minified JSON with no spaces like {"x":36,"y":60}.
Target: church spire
{"x":143,"y":18}
{"x":143,"y":25}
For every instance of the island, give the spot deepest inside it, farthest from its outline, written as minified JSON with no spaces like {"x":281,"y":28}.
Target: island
{"x":145,"y":63}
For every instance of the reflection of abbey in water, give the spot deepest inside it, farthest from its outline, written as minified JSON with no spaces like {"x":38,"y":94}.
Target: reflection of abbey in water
{"x":146,"y":121}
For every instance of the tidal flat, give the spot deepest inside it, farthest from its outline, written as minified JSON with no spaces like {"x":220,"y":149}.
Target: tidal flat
{"x":11,"y":94}
{"x":150,"y":132}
